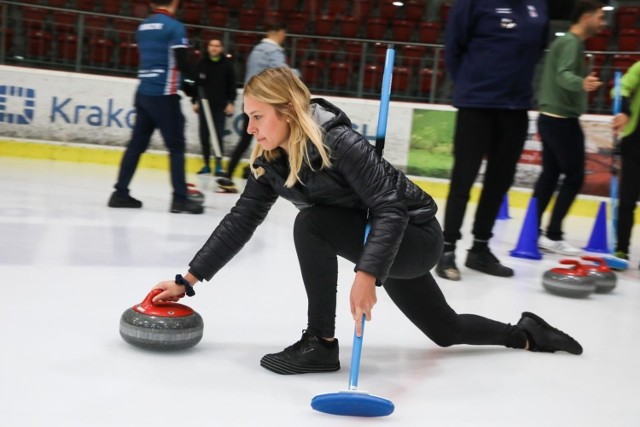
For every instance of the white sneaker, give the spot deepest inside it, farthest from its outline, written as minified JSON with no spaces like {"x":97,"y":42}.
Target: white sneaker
{"x":558,"y":246}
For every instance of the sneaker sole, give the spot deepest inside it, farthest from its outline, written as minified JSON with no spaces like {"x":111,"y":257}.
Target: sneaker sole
{"x":490,"y":273}
{"x":564,"y":335}
{"x":285,"y":368}
{"x":228,"y":190}
{"x":449,"y":274}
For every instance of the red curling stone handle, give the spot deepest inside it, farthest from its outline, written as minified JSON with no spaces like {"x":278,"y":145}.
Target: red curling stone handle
{"x":161,"y":309}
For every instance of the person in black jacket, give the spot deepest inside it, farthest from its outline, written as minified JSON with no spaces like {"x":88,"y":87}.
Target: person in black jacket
{"x":308,"y":153}
{"x":492,"y":89}
{"x":217,"y":79}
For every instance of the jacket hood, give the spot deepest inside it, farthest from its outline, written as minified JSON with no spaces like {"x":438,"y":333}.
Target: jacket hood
{"x":327,"y":115}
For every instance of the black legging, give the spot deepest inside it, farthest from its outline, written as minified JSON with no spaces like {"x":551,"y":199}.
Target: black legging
{"x":322,"y":233}
{"x":562,"y":153}
{"x":629,"y":188}
{"x":218,"y":118}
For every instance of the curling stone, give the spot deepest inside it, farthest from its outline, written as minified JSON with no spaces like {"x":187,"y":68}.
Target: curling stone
{"x":603,"y":277}
{"x":573,"y":282}
{"x":161,"y":325}
{"x":195,"y":194}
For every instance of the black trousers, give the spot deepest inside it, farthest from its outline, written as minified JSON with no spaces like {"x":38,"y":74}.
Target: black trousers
{"x":498,"y":134}
{"x":562,"y":153}
{"x":156,"y":112}
{"x":629,"y":188}
{"x":241,"y":147}
{"x":218,"y":117}
{"x":322,"y":233}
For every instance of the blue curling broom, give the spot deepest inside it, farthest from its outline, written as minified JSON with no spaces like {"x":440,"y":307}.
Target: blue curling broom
{"x":353,"y":402}
{"x":613,"y":262}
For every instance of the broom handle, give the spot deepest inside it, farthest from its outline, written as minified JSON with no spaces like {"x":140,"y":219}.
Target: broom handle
{"x":356,"y":353}
{"x":613,"y":190}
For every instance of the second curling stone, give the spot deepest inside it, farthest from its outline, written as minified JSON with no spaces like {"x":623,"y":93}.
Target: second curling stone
{"x":573,"y":282}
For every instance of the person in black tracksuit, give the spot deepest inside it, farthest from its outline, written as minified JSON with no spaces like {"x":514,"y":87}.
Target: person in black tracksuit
{"x":217,"y":79}
{"x":491,"y":51}
{"x":308,"y":153}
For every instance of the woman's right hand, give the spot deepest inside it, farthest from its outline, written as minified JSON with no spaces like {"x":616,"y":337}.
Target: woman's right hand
{"x":171,"y":291}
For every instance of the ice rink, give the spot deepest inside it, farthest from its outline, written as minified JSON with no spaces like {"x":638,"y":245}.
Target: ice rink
{"x":70,"y":266}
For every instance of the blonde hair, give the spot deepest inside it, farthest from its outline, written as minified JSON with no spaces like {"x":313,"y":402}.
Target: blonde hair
{"x":281,"y":89}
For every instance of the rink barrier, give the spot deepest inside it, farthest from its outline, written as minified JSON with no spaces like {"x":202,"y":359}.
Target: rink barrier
{"x":586,"y":206}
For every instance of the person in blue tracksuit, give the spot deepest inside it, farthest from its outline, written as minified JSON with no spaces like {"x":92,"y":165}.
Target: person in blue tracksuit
{"x":162,"y":43}
{"x":491,"y":51}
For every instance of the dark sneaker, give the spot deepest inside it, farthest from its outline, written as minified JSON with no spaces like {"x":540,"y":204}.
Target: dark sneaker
{"x":226,"y":185}
{"x":188,"y":206}
{"x":545,"y":337}
{"x":219,"y":171}
{"x":306,"y":356}
{"x":486,"y":262}
{"x":206,"y":170}
{"x":118,"y":201}
{"x":447,"y":268}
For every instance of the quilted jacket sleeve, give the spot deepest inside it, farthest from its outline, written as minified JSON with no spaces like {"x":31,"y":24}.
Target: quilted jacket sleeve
{"x":235,"y":229}
{"x":381,"y":188}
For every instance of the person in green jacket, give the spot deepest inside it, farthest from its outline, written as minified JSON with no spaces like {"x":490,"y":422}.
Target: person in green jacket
{"x":626,"y":125}
{"x":563,"y":98}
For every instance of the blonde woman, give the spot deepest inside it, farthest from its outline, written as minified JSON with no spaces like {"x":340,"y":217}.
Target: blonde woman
{"x":308,"y":153}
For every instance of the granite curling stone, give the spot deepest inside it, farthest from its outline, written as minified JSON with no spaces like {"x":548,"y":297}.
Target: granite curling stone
{"x":603,"y":277}
{"x":572,"y":282}
{"x":194,"y":194}
{"x":161,"y":325}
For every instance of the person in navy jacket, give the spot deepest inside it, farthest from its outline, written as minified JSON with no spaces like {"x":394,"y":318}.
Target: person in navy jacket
{"x":491,"y":51}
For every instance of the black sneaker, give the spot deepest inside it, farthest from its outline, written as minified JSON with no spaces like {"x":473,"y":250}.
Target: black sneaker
{"x":545,"y":337}
{"x":187,"y":205}
{"x":486,"y":262}
{"x":447,"y":268}
{"x":226,"y":185}
{"x":118,"y":201}
{"x":306,"y":356}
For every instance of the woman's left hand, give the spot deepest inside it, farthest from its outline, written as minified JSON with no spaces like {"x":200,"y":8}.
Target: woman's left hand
{"x":363,"y":298}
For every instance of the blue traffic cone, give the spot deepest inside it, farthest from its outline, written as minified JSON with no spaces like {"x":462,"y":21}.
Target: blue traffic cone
{"x":598,"y":240}
{"x":503,"y":213}
{"x":527,"y":246}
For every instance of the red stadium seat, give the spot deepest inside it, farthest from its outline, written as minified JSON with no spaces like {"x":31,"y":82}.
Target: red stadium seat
{"x":33,"y":18}
{"x":192,"y":13}
{"x":100,"y":51}
{"x":207,"y":35}
{"x":244,"y":42}
{"x":54,"y":3}
{"x":297,"y":23}
{"x":67,"y":48}
{"x":401,"y":79}
{"x":140,"y":9}
{"x":287,"y":5}
{"x":402,"y":30}
{"x":111,"y":7}
{"x":65,"y":22}
{"x":349,"y":26}
{"x":629,"y":39}
{"x":388,"y":10}
{"x":427,"y":80}
{"x":311,"y":73}
{"x":235,"y":4}
{"x":126,"y":29}
{"x":272,"y":17}
{"x":85,"y":5}
{"x":337,"y":7}
{"x":39,"y":44}
{"x":128,"y":55}
{"x":302,"y":48}
{"x":325,"y":24}
{"x":362,"y":8}
{"x":444,"y":12}
{"x":412,"y":55}
{"x":95,"y":26}
{"x":429,"y":32}
{"x":326,"y":49}
{"x":218,"y":16}
{"x":622,"y":62}
{"x":8,"y":41}
{"x":248,"y":19}
{"x":414,"y":9}
{"x":339,"y":73}
{"x":627,"y":17}
{"x":372,"y":80}
{"x":599,"y":42}
{"x":375,"y":28}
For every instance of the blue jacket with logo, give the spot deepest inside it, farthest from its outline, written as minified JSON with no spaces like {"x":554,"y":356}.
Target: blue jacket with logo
{"x":491,"y":51}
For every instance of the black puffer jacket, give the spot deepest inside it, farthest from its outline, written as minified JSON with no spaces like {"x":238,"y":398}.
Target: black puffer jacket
{"x":357,"y":179}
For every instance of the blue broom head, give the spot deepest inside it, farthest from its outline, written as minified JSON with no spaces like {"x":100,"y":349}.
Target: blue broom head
{"x":352,"y":403}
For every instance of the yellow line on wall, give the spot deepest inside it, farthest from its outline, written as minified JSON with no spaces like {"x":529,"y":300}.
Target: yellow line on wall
{"x":87,"y":153}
